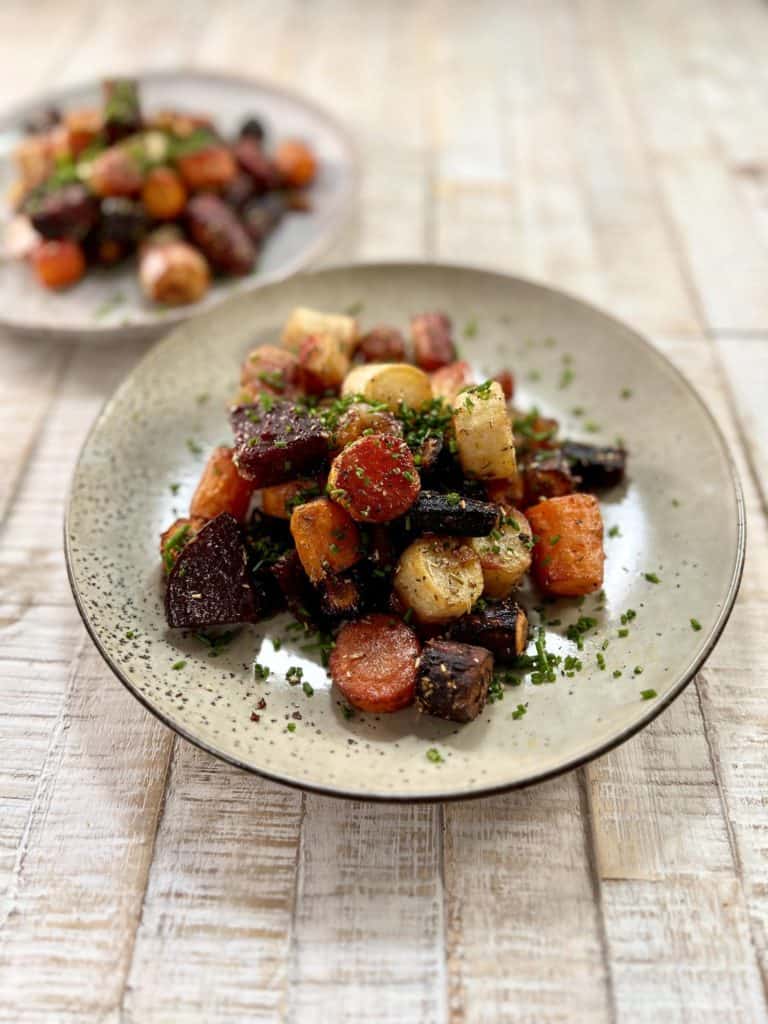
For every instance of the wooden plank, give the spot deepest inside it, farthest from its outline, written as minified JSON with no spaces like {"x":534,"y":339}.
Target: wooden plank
{"x":523,"y":918}
{"x":368,"y":933}
{"x":745,"y":364}
{"x":81,"y":866}
{"x":214,"y":939}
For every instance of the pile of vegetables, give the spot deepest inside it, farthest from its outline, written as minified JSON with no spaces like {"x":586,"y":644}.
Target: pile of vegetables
{"x":98,"y":186}
{"x":395,"y":505}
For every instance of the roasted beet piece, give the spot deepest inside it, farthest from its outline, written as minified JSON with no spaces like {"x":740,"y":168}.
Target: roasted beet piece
{"x":453,"y":515}
{"x":239,"y":190}
{"x":69,"y":212}
{"x":122,"y":220}
{"x":597,"y":466}
{"x":252,"y":128}
{"x":209,"y":584}
{"x":217,"y":232}
{"x":277,"y":443}
{"x":382,"y":344}
{"x":256,"y":164}
{"x":300,"y":596}
{"x":507,"y":381}
{"x":501,"y":628}
{"x":546,"y":475}
{"x":432,"y":343}
{"x":452,"y":680}
{"x":260,"y":216}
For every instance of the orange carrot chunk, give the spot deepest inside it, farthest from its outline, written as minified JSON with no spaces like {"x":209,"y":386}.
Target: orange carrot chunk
{"x":221,"y":488}
{"x":374,"y":663}
{"x":568,"y":554}
{"x":326,"y":539}
{"x":374,"y":478}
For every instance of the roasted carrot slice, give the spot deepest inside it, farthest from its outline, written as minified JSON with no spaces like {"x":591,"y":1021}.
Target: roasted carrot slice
{"x":568,"y":554}
{"x":221,"y":488}
{"x":326,"y":539}
{"x":374,"y":663}
{"x":374,"y":478}
{"x":281,"y":499}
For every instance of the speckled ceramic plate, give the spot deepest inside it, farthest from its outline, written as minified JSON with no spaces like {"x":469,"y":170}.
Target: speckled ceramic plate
{"x":109,"y":305}
{"x":598,"y":377}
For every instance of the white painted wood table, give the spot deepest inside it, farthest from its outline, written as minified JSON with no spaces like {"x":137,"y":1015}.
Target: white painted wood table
{"x":618,"y":149}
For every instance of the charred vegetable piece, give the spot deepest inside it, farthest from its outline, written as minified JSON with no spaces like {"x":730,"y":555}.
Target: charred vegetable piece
{"x":163,"y":194}
{"x":122,"y":111}
{"x":176,"y":537}
{"x":296,"y":163}
{"x":382,"y":344}
{"x":546,"y":475}
{"x":500,"y":628}
{"x":210,"y":168}
{"x":374,"y":478}
{"x":239,"y":190}
{"x":70,"y":212}
{"x":326,"y":539}
{"x":452,"y":513}
{"x":222,"y":239}
{"x":261,"y":216}
{"x":341,"y":598}
{"x":209,"y":584}
{"x":58,"y":265}
{"x":173,"y":273}
{"x":360,"y":419}
{"x":568,"y":555}
{"x":221,"y":488}
{"x":374,"y":663}
{"x":597,"y":466}
{"x":428,"y":456}
{"x":432,"y":342}
{"x":299,"y":594}
{"x":505,"y":492}
{"x":507,"y":381}
{"x":252,"y":128}
{"x":453,"y":679}
{"x":534,"y":432}
{"x":273,"y":445}
{"x":257,"y":165}
{"x":449,"y":380}
{"x":122,"y":221}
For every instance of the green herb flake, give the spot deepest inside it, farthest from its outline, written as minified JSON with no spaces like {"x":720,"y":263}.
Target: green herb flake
{"x":347,"y":711}
{"x":615,"y":531}
{"x":591,"y":427}
{"x":294,"y":675}
{"x":434,"y":755}
{"x":566,"y":378}
{"x":470,"y":329}
{"x":291,"y":727}
{"x":638,"y":670}
{"x":308,"y":689}
{"x":178,"y":666}
{"x":617,"y":673}
{"x":651,"y":577}
{"x":354,"y":308}
{"x":648,"y":694}
{"x":695,"y":625}
{"x":600,"y":658}
{"x":519,"y":711}
{"x":109,"y":305}
{"x":260,"y":671}
{"x":130,"y":634}
{"x":194,"y":447}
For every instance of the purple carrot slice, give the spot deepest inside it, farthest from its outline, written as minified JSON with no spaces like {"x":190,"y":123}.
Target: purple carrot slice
{"x":276,"y":442}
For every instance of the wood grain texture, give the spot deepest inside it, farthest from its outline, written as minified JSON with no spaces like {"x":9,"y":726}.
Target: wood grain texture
{"x":614,"y":149}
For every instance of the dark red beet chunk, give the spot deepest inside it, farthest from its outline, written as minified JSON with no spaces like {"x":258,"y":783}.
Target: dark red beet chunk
{"x":299,"y":594}
{"x":275,"y":445}
{"x":452,"y":680}
{"x":209,"y":585}
{"x":432,"y":342}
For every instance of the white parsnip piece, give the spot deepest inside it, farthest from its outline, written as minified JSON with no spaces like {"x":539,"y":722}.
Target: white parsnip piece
{"x":304,"y":322}
{"x":389,"y":383}
{"x":505,"y":554}
{"x":438,"y":578}
{"x":483,"y":428}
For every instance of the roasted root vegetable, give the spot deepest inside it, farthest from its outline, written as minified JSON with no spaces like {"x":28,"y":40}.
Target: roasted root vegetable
{"x":122,"y":111}
{"x":596,"y":466}
{"x":323,"y":364}
{"x":449,"y":380}
{"x":505,"y":554}
{"x":221,"y":488}
{"x":546,"y":474}
{"x":275,"y":444}
{"x":505,"y":492}
{"x":374,"y":478}
{"x":209,"y":584}
{"x":115,"y":172}
{"x":280,"y":500}
{"x":501,"y":628}
{"x":69,"y":212}
{"x":296,"y":163}
{"x":270,"y":369}
{"x":261,"y":216}
{"x":382,"y":345}
{"x":391,"y":384}
{"x":176,"y":537}
{"x":506,"y":380}
{"x":327,"y":541}
{"x":360,"y":419}
{"x":58,"y":265}
{"x":452,"y":680}
{"x":432,"y":342}
{"x":374,"y":663}
{"x":173,"y":273}
{"x":163,"y":194}
{"x":438,"y":578}
{"x":295,"y":589}
{"x":341,"y":598}
{"x":568,"y":554}
{"x":483,"y":431}
{"x":452,"y":513}
{"x":219,"y":235}
{"x":304,"y":322}
{"x":257,"y":165}
{"x":208,"y":169}
{"x":82,"y":128}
